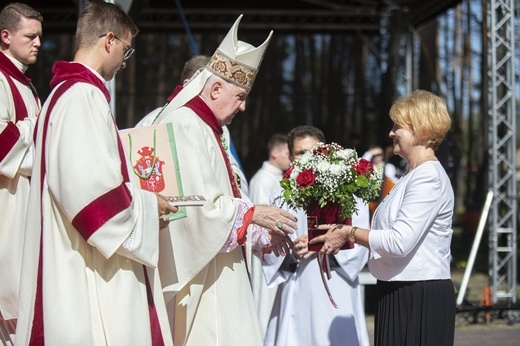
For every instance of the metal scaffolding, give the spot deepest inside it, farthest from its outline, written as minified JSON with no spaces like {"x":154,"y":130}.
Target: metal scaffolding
{"x":502,"y":150}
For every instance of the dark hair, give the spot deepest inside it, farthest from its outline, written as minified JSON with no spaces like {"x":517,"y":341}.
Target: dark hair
{"x":276,"y":140}
{"x":193,"y":65}
{"x":302,"y":132}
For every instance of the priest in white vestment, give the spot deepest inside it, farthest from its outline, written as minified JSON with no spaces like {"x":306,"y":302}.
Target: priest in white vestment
{"x":92,"y":238}
{"x":302,"y":312}
{"x":21,"y":30}
{"x":263,"y":184}
{"x":205,"y":275}
{"x":191,"y":66}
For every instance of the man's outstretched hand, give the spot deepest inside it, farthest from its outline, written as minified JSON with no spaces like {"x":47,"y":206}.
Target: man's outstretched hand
{"x":276,"y":220}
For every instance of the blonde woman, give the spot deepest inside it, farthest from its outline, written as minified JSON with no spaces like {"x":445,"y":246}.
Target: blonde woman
{"x":411,"y":233}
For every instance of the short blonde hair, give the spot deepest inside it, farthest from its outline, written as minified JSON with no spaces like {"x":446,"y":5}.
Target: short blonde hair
{"x":425,"y":115}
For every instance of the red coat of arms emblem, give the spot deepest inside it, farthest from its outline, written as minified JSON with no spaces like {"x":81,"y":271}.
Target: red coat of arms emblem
{"x":149,"y":169}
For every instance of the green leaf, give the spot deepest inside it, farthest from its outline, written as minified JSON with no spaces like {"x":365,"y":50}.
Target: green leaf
{"x":285,"y":184}
{"x":287,"y":194}
{"x":362,"y":181}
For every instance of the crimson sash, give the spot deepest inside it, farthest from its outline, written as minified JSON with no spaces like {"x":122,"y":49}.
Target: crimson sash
{"x":206,"y":114}
{"x":12,"y":72}
{"x":200,"y":108}
{"x":10,"y":135}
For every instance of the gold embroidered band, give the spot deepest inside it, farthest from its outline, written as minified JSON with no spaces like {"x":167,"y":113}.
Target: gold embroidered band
{"x":232,"y":71}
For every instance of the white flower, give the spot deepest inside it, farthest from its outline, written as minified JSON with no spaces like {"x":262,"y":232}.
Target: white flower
{"x":346,"y":154}
{"x":306,"y":157}
{"x":378,"y":173}
{"x":336,"y":180}
{"x":295,"y":173}
{"x":337,"y":169}
{"x":323,"y":166}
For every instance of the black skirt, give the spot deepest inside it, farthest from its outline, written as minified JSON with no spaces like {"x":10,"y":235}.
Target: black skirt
{"x":414,"y":313}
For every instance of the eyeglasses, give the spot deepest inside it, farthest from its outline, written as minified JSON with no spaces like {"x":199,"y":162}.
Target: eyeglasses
{"x":128,"y":50}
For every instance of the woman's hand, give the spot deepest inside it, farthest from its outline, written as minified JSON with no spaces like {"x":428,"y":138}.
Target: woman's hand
{"x":334,"y":239}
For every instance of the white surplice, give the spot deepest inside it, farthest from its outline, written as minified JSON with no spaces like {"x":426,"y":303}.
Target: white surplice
{"x":263,"y":184}
{"x":94,"y":262}
{"x":302,"y":313}
{"x":15,"y":170}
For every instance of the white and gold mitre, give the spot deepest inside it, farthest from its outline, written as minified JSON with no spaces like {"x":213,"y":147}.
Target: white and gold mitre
{"x":234,"y":61}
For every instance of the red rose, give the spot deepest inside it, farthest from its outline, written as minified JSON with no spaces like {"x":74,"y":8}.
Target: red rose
{"x":364,"y":167}
{"x":288,"y":172}
{"x":306,"y":178}
{"x":322,"y":150}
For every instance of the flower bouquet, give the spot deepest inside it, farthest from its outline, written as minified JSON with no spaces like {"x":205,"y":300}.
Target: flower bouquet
{"x":326,"y":181}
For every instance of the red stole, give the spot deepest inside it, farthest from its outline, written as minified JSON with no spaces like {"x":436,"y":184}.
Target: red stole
{"x":63,"y":70}
{"x":200,"y":107}
{"x":12,"y":72}
{"x":10,"y":135}
{"x":177,"y":90}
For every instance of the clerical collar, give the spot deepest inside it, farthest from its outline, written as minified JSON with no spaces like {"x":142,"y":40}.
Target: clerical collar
{"x":201,"y":108}
{"x":63,"y":70}
{"x":19,"y":65}
{"x":91,"y":70}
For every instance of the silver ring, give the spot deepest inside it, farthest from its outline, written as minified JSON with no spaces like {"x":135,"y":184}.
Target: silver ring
{"x":279,"y":224}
